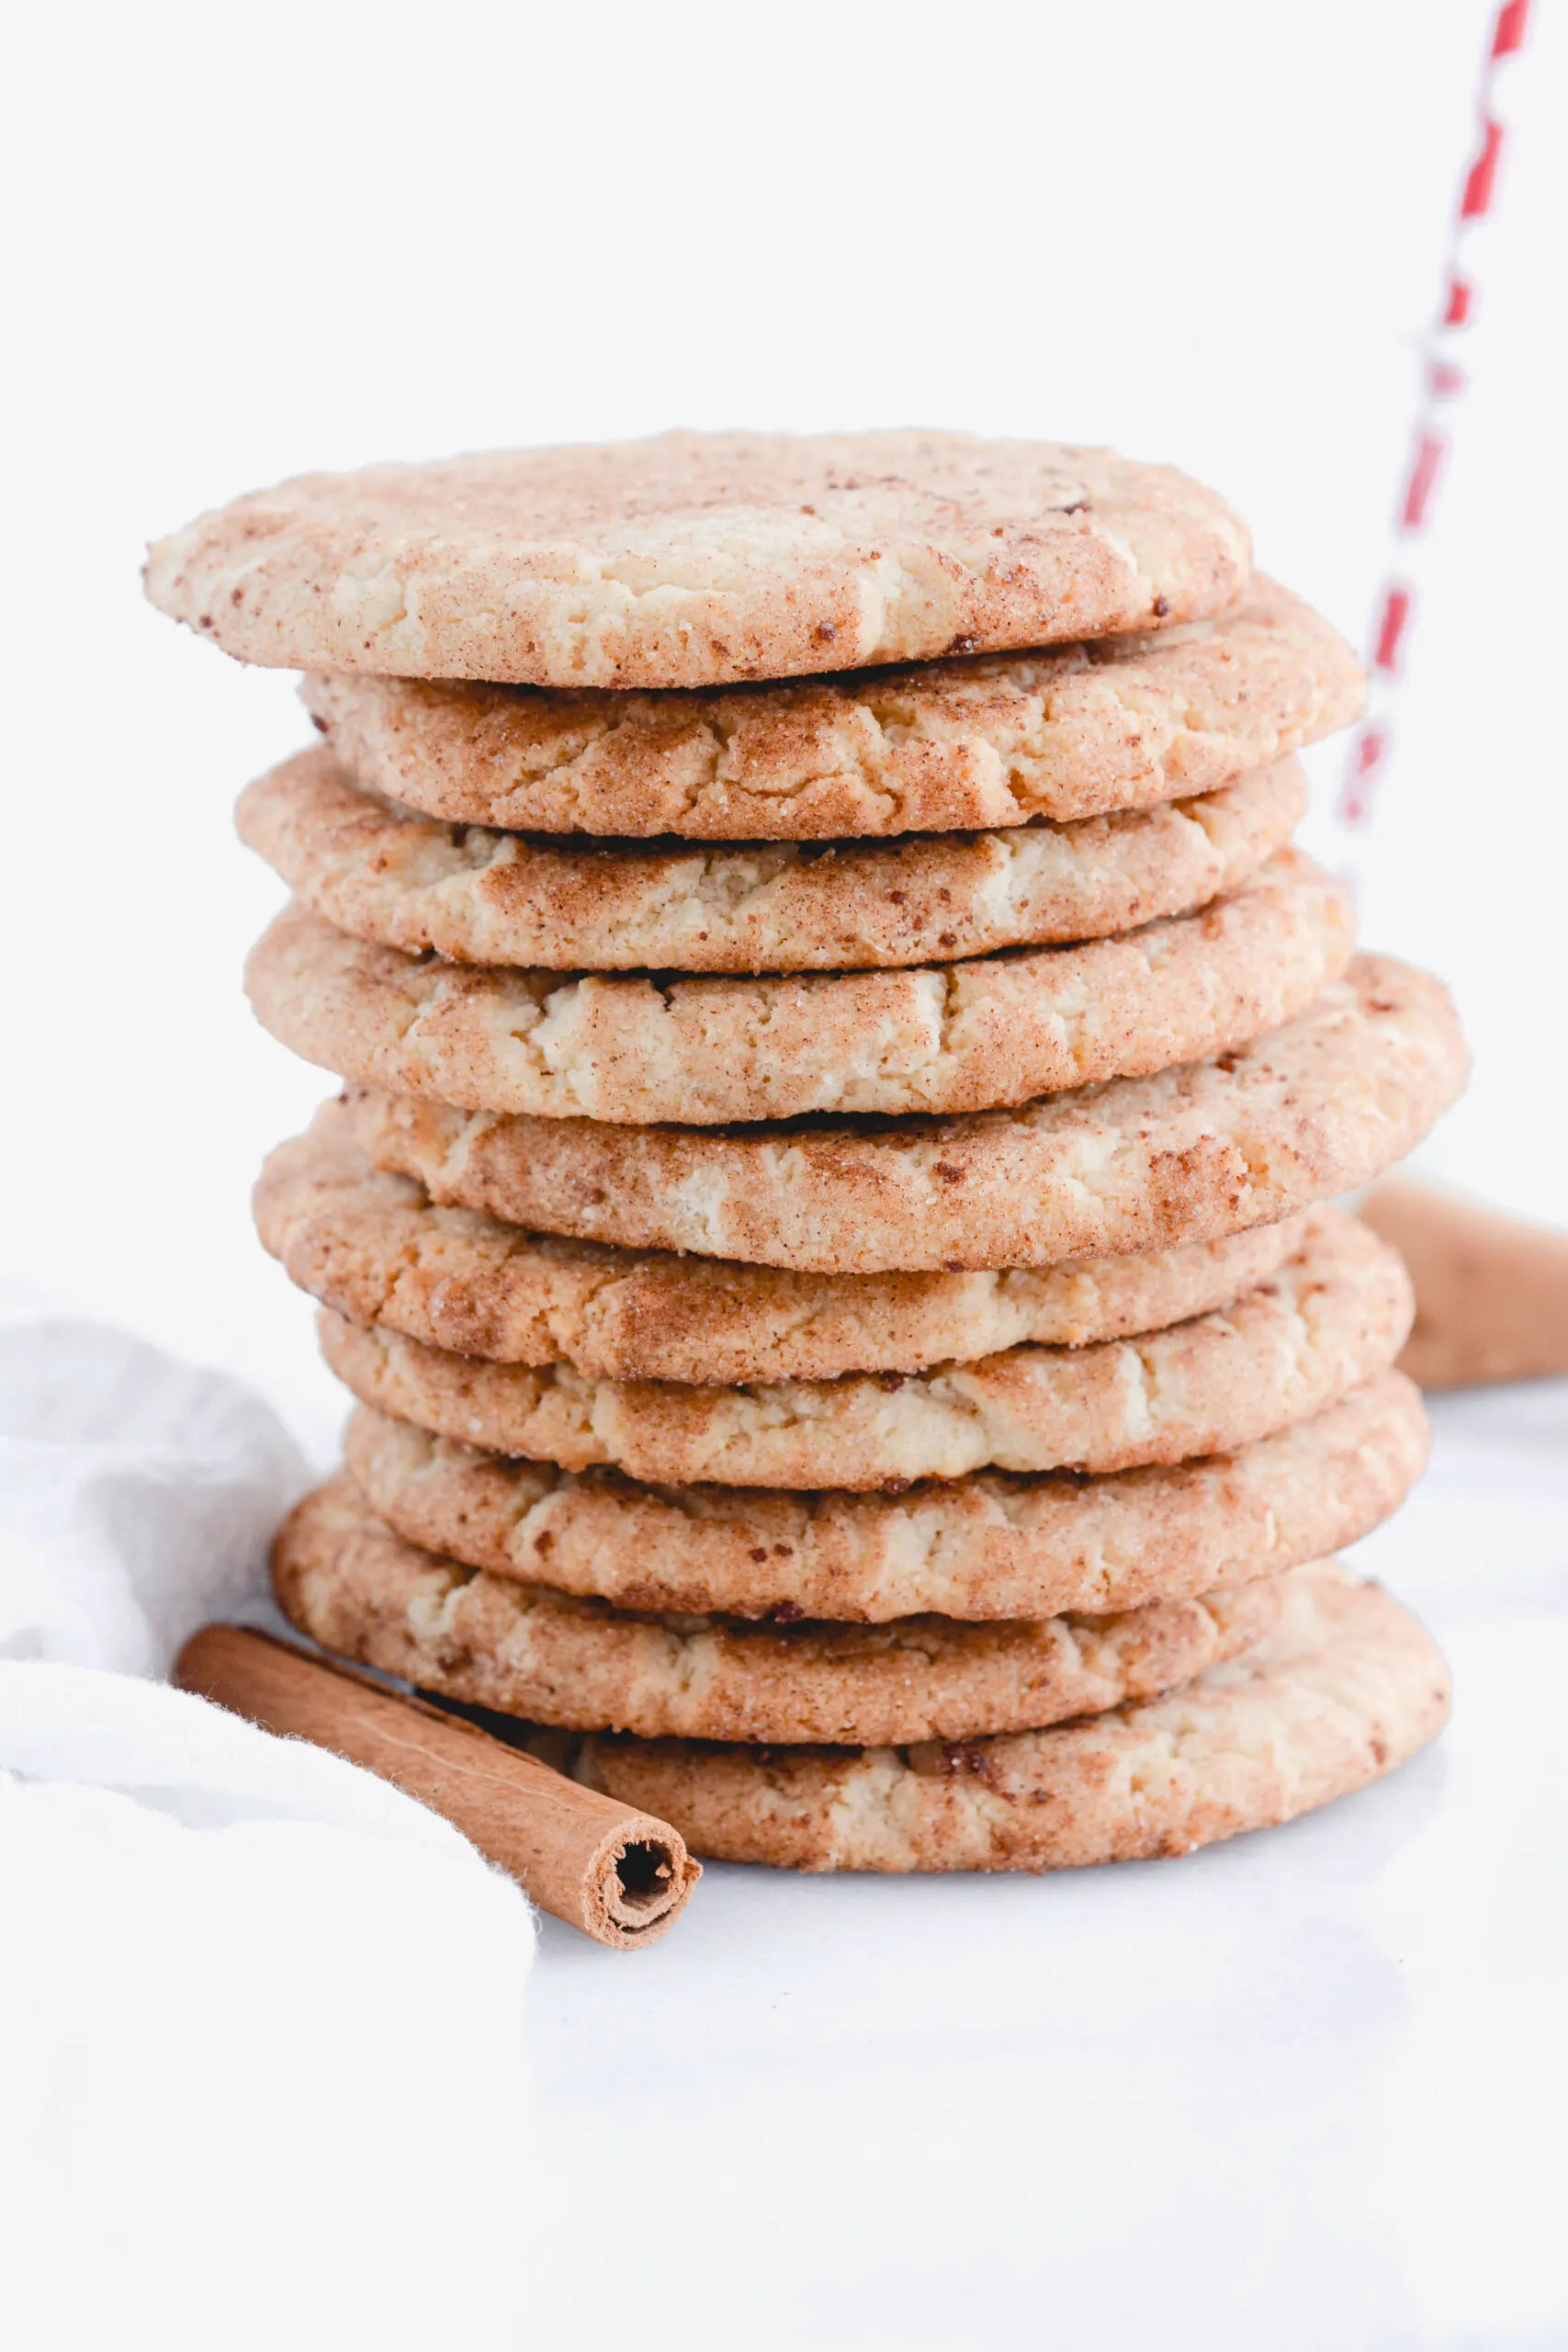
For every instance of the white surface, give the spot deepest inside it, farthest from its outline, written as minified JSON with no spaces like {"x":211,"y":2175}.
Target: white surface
{"x":225,"y":1956}
{"x":1303,"y":2091}
{"x":260,"y":2017}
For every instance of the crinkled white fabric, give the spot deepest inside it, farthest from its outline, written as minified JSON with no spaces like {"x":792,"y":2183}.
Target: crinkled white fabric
{"x":139,"y":1493}
{"x":262,"y":2076}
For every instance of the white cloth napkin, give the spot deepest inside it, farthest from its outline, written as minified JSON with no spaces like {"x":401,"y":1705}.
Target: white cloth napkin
{"x":261,"y":2062}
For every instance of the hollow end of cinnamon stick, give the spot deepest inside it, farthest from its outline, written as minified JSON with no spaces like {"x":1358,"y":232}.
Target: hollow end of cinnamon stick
{"x":637,"y":1880}
{"x":621,"y":1876}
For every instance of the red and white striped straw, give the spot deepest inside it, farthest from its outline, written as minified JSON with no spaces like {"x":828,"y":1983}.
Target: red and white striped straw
{"x":1442,"y":380}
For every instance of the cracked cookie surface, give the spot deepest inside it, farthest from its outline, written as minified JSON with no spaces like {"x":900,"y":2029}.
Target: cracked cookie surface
{"x":636,"y":1050}
{"x":376,"y":1248}
{"x":1347,"y":1686}
{"x":1060,"y":733}
{"x":1337,"y":1311}
{"x":1311,"y":1110}
{"x":694,"y":558}
{"x":360,"y":1589}
{"x":987,"y":1545}
{"x":475,"y":896}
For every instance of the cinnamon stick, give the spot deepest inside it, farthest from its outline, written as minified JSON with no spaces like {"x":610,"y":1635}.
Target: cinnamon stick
{"x":619,"y":1875}
{"x":1491,"y":1292}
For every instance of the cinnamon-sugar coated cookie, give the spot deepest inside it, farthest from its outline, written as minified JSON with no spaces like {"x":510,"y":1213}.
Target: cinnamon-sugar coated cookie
{"x":375,"y":1248}
{"x":965,"y":1037}
{"x":1006,"y":740}
{"x":1312,"y":1110}
{"x":988,"y":1545}
{"x":479,"y":896}
{"x":351,"y":1584}
{"x":696,"y":558}
{"x":1336,"y":1312}
{"x":1347,"y":1686}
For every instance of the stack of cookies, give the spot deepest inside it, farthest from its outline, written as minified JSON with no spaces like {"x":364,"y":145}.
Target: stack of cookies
{"x":829,"y":1221}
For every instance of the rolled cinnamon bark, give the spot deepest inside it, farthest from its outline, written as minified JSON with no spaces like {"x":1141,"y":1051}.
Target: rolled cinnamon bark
{"x":619,"y":1875}
{"x":1491,"y":1292}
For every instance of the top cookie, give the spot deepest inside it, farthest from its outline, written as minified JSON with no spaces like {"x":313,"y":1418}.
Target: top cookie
{"x":697,"y":559}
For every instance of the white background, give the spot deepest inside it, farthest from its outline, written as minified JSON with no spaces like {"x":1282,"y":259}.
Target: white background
{"x":253,"y":240}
